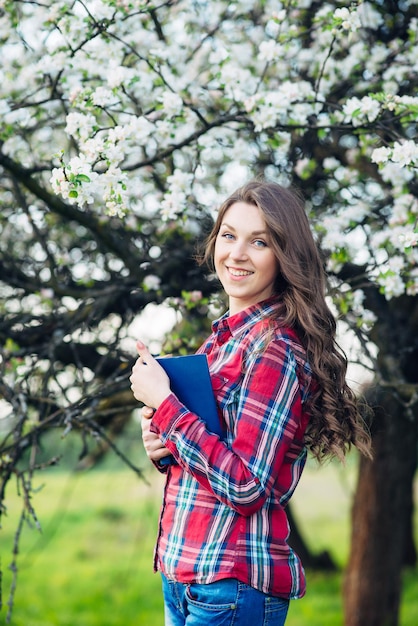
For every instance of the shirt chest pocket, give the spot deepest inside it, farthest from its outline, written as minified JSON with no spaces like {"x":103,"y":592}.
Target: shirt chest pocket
{"x":226,"y":394}
{"x":218,"y":383}
{"x":221,"y":390}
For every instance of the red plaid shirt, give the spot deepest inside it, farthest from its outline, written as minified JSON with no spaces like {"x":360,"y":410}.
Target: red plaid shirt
{"x":223,"y":510}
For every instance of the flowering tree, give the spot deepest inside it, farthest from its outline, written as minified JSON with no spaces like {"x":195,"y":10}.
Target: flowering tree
{"x":122,"y":125}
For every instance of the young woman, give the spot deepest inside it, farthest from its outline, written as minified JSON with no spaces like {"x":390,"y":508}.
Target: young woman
{"x":279,"y":381}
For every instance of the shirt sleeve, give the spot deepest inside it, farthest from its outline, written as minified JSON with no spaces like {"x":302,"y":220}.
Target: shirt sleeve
{"x":268,"y":419}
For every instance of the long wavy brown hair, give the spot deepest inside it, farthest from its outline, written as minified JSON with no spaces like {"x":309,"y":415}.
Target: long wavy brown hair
{"x":336,"y":423}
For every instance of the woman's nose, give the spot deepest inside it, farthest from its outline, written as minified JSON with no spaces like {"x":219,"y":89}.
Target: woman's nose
{"x":238,"y":250}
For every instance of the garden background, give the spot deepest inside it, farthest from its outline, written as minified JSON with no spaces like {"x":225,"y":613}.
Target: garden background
{"x":123,"y":124}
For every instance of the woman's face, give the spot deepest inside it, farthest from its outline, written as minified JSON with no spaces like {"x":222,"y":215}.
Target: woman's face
{"x":244,"y":260}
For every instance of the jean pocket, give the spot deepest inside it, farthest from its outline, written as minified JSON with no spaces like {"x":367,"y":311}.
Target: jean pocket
{"x":219,"y":596}
{"x":275,"y":611}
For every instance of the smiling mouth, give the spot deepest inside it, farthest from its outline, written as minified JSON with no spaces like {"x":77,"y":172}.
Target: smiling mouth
{"x":235,"y":272}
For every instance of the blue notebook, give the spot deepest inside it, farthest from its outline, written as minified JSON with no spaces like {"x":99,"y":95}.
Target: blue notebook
{"x":190,"y":382}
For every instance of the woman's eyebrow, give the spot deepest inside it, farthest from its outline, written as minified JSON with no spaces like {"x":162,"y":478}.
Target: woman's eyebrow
{"x":255,"y":232}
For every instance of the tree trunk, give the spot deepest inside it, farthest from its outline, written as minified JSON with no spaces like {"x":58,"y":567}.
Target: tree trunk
{"x":381,"y":514}
{"x":410,"y":551}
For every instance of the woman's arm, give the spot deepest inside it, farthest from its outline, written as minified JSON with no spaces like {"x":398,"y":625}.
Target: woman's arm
{"x":268,"y":419}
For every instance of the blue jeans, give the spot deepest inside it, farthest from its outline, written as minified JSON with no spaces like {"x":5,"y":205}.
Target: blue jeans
{"x":224,"y":603}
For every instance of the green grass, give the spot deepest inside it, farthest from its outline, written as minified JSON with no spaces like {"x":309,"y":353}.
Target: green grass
{"x":92,"y":563}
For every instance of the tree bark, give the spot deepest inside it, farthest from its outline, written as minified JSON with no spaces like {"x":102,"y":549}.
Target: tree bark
{"x":410,"y":551}
{"x":381,"y":514}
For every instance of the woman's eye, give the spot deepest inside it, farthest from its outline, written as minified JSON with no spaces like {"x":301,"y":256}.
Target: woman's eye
{"x":260,"y":243}
{"x":227,"y":235}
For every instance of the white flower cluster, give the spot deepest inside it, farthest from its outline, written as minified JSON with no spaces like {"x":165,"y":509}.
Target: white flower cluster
{"x":359,"y":111}
{"x":398,"y":273}
{"x":402,"y":232}
{"x":172,"y":103}
{"x":365,"y":318}
{"x":146,"y":114}
{"x":291,"y":102}
{"x":80,"y":125}
{"x":151,"y":282}
{"x":175,"y":201}
{"x":347,"y":19}
{"x":75,"y":183}
{"x":401,"y":152}
{"x":347,"y":236}
{"x":79,"y":184}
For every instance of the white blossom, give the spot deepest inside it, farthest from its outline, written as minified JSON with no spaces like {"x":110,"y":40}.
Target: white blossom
{"x":396,"y":175}
{"x":51,"y":64}
{"x":218,"y":56}
{"x":354,"y":213}
{"x":265,"y":116}
{"x":368,"y":319}
{"x":405,"y":153}
{"x":175,"y":201}
{"x":180,"y":181}
{"x":102,"y":97}
{"x":18,"y":117}
{"x":412,"y":284}
{"x":365,"y":317}
{"x":172,"y":103}
{"x":331,"y":163}
{"x":403,"y":207}
{"x":80,"y":125}
{"x":152,"y":282}
{"x":4,"y":106}
{"x":381,"y":155}
{"x":270,"y":50}
{"x":94,"y":147}
{"x":358,"y":298}
{"x":392,"y":284}
{"x":350,"y":19}
{"x":302,"y":167}
{"x":357,"y":110}
{"x":238,"y":82}
{"x":16,"y":147}
{"x":169,"y":209}
{"x":408,"y":239}
{"x":59,"y":182}
{"x":370,"y":108}
{"x":369,"y":17}
{"x":139,"y":129}
{"x":396,"y":263}
{"x":136,"y":95}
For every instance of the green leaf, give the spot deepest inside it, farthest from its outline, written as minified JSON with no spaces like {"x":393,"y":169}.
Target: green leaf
{"x":81,"y":178}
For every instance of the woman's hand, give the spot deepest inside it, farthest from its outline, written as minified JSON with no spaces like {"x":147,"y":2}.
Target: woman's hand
{"x":149,"y":382}
{"x":153,"y":447}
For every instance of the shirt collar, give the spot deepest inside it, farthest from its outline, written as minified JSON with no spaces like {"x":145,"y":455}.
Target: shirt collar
{"x":234,"y":324}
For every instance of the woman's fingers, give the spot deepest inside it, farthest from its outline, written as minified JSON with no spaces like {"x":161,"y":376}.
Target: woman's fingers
{"x":154,"y":448}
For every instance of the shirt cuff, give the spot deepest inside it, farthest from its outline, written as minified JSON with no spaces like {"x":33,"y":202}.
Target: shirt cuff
{"x":170,"y":411}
